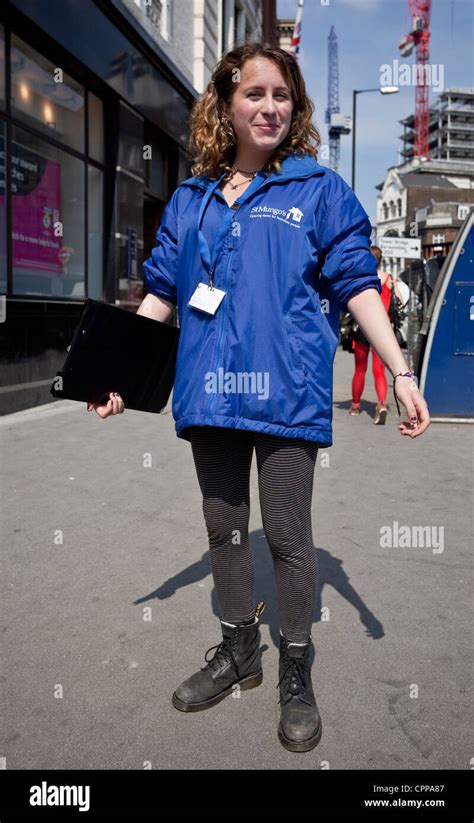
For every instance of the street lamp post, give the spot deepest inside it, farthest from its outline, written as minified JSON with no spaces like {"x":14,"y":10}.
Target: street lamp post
{"x":382,"y":90}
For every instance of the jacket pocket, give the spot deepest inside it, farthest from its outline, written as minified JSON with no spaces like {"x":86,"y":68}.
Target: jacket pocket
{"x":296,"y":361}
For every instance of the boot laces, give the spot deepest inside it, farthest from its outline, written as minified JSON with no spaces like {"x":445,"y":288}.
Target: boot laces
{"x":222,"y":654}
{"x":294,"y":672}
{"x":295,"y":677}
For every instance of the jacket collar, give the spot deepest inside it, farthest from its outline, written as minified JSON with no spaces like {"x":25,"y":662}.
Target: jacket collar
{"x":293,"y":167}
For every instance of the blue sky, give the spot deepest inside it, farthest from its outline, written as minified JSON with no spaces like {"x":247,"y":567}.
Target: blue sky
{"x":368,"y":34}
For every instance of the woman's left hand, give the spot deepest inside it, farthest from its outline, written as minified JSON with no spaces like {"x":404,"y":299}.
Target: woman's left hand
{"x":416,"y":407}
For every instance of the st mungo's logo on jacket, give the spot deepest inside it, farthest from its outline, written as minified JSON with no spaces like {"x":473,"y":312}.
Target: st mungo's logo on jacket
{"x":292,"y":216}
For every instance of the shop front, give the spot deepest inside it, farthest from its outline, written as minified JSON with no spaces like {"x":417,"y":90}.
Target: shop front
{"x":92,"y":145}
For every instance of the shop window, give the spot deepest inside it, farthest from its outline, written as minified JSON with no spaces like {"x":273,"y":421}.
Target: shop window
{"x":155,"y":169}
{"x":129,"y":239}
{"x":2,"y":68}
{"x":3,"y":214}
{"x":45,"y":97}
{"x":157,"y":177}
{"x":131,"y":142}
{"x":47,"y":218}
{"x":184,"y":166}
{"x":96,"y":128}
{"x":94,"y":233}
{"x":129,"y":207}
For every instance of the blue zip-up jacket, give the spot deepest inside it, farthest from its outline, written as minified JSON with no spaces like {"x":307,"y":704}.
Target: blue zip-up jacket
{"x":289,"y":254}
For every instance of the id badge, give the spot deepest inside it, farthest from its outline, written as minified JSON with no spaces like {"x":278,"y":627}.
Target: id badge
{"x":206,"y":299}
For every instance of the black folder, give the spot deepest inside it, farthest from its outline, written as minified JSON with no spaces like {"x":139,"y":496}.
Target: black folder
{"x":118,"y":350}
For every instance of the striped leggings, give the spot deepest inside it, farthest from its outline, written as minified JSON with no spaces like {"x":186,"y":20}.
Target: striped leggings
{"x":285,"y":466}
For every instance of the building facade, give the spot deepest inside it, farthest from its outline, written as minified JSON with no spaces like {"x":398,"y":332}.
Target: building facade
{"x":194,"y":33}
{"x":95,"y":98}
{"x":451,"y":128}
{"x":418,"y":192}
{"x":285,"y":29}
{"x":438,"y":226}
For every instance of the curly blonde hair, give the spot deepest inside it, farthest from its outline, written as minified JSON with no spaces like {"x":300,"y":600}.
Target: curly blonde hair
{"x":212,"y":139}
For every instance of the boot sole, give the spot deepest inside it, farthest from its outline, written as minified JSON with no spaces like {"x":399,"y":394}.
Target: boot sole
{"x":300,"y":745}
{"x":247,"y":683}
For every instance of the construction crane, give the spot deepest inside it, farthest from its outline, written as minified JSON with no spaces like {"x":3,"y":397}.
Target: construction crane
{"x":419,"y":38}
{"x":338,"y":123}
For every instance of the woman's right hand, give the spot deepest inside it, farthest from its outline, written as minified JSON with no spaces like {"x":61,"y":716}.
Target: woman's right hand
{"x":113,"y":406}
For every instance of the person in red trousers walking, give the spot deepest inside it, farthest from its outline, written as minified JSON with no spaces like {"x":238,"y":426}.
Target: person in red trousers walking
{"x":361,"y":348}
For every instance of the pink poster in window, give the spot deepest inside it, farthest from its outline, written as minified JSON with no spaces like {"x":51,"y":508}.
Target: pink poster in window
{"x":36,"y":209}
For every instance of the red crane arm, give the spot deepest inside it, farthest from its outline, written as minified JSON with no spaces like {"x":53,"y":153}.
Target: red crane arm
{"x":420,"y":11}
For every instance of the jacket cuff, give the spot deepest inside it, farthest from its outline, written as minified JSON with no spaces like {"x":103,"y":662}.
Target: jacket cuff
{"x":361,"y":288}
{"x":165,"y":295}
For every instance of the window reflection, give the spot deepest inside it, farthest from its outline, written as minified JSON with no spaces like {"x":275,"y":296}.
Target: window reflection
{"x":96,"y":128}
{"x":94,"y":213}
{"x":155,"y":168}
{"x":46,"y":97}
{"x":131,"y":141}
{"x":2,"y":68}
{"x":129,"y":239}
{"x":3,"y":214}
{"x":47,"y":218}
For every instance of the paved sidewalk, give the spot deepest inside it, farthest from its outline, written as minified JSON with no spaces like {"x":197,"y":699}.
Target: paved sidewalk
{"x":108,"y":600}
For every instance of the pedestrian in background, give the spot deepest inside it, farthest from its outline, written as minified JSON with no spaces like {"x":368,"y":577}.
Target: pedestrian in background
{"x":362,"y":347}
{"x":246,"y":249}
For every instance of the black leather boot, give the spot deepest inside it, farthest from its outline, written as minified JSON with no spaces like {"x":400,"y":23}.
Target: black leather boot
{"x":300,"y":726}
{"x":237,"y":660}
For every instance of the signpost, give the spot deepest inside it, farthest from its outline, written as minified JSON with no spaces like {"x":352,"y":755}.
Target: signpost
{"x":400,"y":247}
{"x":406,"y":248}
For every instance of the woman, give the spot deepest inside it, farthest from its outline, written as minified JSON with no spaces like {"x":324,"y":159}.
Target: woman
{"x":259,"y":249}
{"x":361,"y":348}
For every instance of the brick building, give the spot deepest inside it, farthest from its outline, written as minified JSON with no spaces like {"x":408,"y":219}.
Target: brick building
{"x":419,"y":196}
